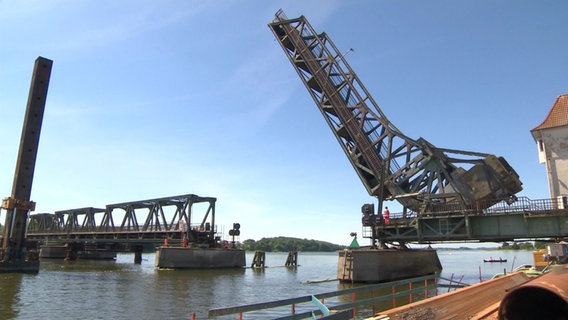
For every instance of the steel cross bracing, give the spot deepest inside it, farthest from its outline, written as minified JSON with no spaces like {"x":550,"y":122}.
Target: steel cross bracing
{"x":134,"y":221}
{"x":390,"y":164}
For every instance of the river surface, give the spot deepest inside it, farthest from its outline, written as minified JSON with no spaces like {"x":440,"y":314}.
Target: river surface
{"x":122,"y":290}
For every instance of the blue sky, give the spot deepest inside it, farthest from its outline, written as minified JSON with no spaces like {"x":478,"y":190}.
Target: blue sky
{"x":150,"y":99}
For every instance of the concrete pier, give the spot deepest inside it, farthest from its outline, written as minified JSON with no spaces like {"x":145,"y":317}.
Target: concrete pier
{"x":196,"y":258}
{"x":98,"y":254}
{"x":71,"y":253}
{"x":53,"y":252}
{"x":383,"y":265}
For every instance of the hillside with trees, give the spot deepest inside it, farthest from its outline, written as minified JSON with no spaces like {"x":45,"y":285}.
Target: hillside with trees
{"x":524,"y":245}
{"x":286,"y":244}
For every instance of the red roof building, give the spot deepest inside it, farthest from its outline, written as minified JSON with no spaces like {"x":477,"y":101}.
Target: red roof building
{"x":551,"y":137}
{"x":558,"y":115}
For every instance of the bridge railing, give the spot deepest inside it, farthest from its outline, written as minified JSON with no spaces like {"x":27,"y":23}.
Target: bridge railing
{"x":505,"y":206}
{"x":524,"y":204}
{"x":374,"y":297}
{"x":450,"y":223}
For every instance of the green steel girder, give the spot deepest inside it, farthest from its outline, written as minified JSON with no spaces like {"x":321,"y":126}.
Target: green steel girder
{"x":552,"y":224}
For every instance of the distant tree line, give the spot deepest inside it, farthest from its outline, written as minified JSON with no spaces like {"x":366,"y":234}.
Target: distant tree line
{"x":524,"y":245}
{"x":286,"y":244}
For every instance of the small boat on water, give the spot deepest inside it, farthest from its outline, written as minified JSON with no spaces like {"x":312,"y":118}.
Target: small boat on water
{"x":495,"y":260}
{"x":527,"y":269}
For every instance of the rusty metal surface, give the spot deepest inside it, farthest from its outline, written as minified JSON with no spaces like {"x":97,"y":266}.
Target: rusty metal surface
{"x":16,"y":217}
{"x":545,"y":297}
{"x":478,"y":301}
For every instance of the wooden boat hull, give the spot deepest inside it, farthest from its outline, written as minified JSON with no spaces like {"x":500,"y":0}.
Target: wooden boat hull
{"x":495,"y":260}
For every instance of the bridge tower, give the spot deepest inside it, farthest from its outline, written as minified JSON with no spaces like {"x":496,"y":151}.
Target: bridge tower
{"x":14,"y":255}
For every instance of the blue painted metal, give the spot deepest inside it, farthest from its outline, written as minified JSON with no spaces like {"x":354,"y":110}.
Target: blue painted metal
{"x":321,"y":307}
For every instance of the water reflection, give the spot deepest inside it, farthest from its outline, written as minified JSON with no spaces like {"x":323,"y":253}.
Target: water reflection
{"x":82,"y":265}
{"x":120,"y":289}
{"x":10,"y":284}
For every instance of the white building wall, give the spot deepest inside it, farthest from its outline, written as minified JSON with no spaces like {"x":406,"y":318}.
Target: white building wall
{"x":555,"y":141}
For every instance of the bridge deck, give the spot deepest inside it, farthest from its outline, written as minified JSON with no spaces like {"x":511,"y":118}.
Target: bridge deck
{"x":149,"y":221}
{"x":524,"y":219}
{"x":130,"y":222}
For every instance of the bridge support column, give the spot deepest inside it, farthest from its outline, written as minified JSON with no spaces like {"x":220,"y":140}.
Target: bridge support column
{"x":71,"y":251}
{"x":14,"y":255}
{"x":137,"y":248}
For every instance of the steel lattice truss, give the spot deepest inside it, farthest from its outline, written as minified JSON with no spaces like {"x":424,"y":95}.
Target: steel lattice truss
{"x":390,"y":164}
{"x":136,"y":220}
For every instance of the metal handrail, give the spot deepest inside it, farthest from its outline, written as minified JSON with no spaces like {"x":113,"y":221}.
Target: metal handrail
{"x":292,"y":302}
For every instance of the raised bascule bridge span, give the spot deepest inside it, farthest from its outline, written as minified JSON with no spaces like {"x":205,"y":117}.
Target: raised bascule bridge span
{"x":445,"y":194}
{"x":124,"y":227}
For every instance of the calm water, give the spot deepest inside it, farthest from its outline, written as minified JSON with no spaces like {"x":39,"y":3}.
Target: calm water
{"x":122,"y":290}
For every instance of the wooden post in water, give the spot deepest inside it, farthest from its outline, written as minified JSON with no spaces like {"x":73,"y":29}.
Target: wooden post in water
{"x":292,"y":260}
{"x":258,"y":260}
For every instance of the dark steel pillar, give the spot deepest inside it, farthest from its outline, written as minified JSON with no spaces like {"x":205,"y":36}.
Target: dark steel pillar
{"x":137,"y":248}
{"x":18,"y":204}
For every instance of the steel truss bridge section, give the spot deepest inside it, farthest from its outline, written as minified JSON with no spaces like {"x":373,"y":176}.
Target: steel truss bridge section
{"x":391,"y":165}
{"x":137,"y":221}
{"x":545,"y":219}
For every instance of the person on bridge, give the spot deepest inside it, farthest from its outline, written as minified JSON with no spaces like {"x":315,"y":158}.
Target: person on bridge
{"x":185,"y":242}
{"x":386,"y":215}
